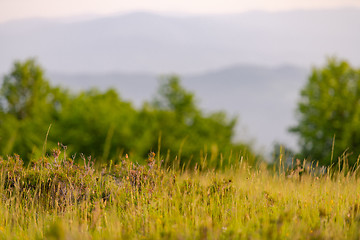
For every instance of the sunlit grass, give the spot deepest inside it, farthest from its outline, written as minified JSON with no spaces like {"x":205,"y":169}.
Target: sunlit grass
{"x":63,"y":200}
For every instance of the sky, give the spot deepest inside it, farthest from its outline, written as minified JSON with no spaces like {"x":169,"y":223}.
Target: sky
{"x":19,"y":9}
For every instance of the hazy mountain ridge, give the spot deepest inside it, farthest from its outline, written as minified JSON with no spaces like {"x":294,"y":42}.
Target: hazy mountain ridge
{"x":158,"y":43}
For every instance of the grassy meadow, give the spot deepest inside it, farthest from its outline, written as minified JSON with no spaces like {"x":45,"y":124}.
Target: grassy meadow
{"x":56,"y":197}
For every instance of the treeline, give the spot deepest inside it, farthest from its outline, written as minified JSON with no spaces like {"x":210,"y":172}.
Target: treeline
{"x":36,"y":117}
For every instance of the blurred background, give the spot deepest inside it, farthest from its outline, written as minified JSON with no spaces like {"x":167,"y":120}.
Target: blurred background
{"x":248,"y":59}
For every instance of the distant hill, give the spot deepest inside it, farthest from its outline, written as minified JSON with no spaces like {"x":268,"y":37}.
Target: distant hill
{"x":264,"y":98}
{"x":145,"y":42}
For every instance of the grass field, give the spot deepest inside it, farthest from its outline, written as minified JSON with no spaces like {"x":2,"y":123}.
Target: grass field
{"x":54,"y":198}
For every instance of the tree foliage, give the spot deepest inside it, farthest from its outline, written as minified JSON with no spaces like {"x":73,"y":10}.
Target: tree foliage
{"x":104,"y":126}
{"x":28,"y":106}
{"x":173,"y":97}
{"x":25,"y":90}
{"x":329,"y":112}
{"x":187,"y":131}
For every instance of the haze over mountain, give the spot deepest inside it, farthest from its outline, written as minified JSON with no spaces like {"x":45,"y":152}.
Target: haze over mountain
{"x":153,"y":43}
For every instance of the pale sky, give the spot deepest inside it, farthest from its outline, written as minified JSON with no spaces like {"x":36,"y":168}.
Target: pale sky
{"x":18,"y":9}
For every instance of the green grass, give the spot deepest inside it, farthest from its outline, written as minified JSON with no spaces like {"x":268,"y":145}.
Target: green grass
{"x":54,"y":198}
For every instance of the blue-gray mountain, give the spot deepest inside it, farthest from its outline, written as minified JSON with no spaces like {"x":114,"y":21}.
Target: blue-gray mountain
{"x":160,"y":44}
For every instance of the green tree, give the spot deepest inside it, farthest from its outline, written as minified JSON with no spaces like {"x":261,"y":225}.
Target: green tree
{"x":329,"y":110}
{"x":28,"y":106}
{"x":190,"y":135}
{"x":173,"y":97}
{"x":24,"y":89}
{"x":96,"y":123}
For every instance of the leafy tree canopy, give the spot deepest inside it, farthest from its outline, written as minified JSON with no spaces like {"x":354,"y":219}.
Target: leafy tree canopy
{"x":329,"y":112}
{"x":24,"y":89}
{"x":104,"y":126}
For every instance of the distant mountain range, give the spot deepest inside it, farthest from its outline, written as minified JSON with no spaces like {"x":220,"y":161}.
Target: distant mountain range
{"x":264,"y":98}
{"x":154,"y":43}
